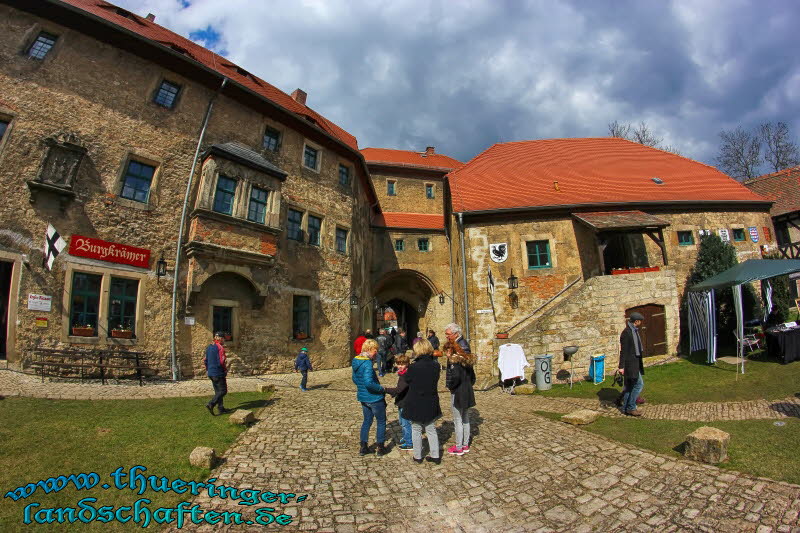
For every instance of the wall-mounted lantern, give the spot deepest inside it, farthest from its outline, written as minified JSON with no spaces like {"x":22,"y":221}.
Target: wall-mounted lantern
{"x":353,"y":301}
{"x":513,"y":281}
{"x":441,"y":298}
{"x":161,"y":267}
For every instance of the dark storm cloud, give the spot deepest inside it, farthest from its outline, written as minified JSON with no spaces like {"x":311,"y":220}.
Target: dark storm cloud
{"x":463,"y":75}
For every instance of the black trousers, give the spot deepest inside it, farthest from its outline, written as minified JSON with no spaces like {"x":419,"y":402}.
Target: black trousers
{"x":220,"y":390}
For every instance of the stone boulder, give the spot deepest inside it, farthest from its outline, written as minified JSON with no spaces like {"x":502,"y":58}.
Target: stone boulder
{"x":203,"y":457}
{"x":242,"y":417}
{"x":525,"y":389}
{"x":580,"y":417}
{"x":707,"y":444}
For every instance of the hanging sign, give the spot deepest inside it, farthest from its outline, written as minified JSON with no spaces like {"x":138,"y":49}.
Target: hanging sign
{"x":723,"y":234}
{"x":109,"y":251}
{"x":39,"y":302}
{"x":753,"y":234}
{"x":498,"y":252}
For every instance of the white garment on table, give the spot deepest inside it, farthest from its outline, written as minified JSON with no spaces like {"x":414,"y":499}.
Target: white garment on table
{"x":512,"y":362}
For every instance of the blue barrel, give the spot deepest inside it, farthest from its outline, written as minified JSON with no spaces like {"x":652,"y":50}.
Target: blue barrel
{"x":543,"y":366}
{"x":597,"y":368}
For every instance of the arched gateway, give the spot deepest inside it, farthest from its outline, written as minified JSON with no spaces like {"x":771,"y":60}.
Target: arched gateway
{"x":412,"y":296}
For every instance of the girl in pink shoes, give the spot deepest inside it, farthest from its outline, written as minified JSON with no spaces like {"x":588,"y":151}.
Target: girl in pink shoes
{"x":460,"y":378}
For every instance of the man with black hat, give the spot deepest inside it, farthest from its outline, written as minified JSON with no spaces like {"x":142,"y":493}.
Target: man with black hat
{"x":630,"y":363}
{"x":215,"y":363}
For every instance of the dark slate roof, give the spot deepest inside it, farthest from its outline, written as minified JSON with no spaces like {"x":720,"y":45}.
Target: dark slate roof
{"x":620,"y":220}
{"x":244,"y":156}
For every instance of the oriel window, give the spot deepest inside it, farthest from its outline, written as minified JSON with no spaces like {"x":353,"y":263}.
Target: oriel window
{"x":257,"y":210}
{"x":224,"y":195}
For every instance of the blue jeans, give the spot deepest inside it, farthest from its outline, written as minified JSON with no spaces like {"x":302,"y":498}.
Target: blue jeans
{"x":629,"y":397}
{"x":375,"y":410}
{"x":406,"y":425}
{"x":381,"y":359}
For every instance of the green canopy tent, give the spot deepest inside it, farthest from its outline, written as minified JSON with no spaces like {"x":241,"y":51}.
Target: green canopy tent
{"x":735,"y":277}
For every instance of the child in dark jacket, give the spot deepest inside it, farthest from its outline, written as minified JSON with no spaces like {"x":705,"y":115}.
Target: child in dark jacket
{"x":460,"y":378}
{"x":399,"y":394}
{"x":303,"y":365}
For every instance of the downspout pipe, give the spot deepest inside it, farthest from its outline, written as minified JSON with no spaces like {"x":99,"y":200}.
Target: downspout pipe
{"x":176,"y":273}
{"x":464,"y":273}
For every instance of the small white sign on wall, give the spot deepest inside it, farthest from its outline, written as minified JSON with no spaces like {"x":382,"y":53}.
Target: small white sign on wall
{"x":188,"y":320}
{"x":484,"y":311}
{"x":723,"y":234}
{"x":40,"y":302}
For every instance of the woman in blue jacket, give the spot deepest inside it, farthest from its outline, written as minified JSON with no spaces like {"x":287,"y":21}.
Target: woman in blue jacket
{"x":371,"y":395}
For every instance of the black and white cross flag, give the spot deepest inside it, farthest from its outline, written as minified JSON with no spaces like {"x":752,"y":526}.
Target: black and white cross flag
{"x":53,"y":244}
{"x":491,"y":282}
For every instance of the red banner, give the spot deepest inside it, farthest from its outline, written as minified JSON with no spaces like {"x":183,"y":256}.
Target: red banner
{"x":109,"y":251}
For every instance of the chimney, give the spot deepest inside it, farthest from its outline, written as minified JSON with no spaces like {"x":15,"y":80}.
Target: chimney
{"x":151,"y":17}
{"x":299,"y":96}
{"x":430,"y":150}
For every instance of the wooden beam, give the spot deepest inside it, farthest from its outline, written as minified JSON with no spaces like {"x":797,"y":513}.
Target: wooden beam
{"x":660,"y":242}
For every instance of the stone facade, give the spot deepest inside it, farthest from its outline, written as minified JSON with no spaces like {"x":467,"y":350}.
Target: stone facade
{"x":253,"y":268}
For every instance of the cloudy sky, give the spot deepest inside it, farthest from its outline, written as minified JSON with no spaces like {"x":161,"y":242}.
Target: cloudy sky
{"x":463,"y":74}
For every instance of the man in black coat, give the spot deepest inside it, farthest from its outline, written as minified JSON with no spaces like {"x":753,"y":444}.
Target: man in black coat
{"x":630,"y":363}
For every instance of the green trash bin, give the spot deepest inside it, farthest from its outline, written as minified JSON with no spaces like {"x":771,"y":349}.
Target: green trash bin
{"x":543,"y":366}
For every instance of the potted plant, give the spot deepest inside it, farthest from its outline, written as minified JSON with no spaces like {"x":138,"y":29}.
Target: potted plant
{"x":300,"y":335}
{"x":501,"y":335}
{"x":228,"y":336}
{"x":122,"y":331}
{"x":79,"y":330}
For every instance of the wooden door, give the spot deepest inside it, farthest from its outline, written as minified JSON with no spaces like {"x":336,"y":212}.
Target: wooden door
{"x":654,"y":328}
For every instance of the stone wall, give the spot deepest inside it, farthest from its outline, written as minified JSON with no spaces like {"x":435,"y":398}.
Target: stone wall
{"x":409,"y":188}
{"x":113,"y":118}
{"x":593,"y":316}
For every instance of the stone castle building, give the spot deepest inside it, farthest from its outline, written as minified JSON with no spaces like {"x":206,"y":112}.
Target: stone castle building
{"x":151,"y":155}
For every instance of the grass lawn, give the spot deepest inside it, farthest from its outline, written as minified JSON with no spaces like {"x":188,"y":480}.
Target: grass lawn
{"x":757,"y":447}
{"x":692,"y":380}
{"x":42,"y":438}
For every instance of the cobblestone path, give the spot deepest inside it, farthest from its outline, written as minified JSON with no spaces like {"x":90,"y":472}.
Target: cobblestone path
{"x":18,"y":384}
{"x":523,"y":473}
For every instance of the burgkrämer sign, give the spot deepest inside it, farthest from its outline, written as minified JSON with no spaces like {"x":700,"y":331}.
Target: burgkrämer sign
{"x":109,"y":251}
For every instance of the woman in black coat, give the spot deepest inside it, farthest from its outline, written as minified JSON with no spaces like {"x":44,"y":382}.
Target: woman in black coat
{"x":422,"y":400}
{"x":460,"y":379}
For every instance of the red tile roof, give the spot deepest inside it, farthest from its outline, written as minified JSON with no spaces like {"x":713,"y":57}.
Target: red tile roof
{"x":409,"y":158}
{"x":782,"y":186}
{"x":409,"y":220}
{"x":164,"y":37}
{"x":607,"y":170}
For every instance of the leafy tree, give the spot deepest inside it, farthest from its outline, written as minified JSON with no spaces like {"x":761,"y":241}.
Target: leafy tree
{"x":715,"y":257}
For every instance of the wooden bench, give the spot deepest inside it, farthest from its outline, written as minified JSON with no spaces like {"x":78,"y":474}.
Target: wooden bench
{"x":75,"y":361}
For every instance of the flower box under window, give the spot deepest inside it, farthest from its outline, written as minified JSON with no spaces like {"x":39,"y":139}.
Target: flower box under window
{"x":82,"y":332}
{"x":122,"y":333}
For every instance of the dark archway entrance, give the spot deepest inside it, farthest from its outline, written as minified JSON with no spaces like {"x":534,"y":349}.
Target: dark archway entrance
{"x":5,"y":303}
{"x":407,"y":293}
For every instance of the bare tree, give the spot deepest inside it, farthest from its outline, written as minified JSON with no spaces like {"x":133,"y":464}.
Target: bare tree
{"x":781,"y":150}
{"x":642,"y":134}
{"x":623,"y":131}
{"x":739,"y":154}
